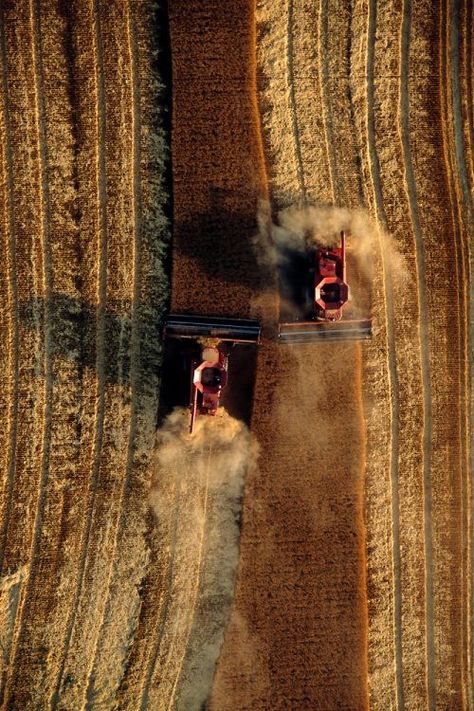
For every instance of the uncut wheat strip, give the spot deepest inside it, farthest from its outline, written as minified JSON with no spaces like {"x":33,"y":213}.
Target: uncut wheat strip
{"x":275,"y":38}
{"x":93,"y":197}
{"x":18,"y":525}
{"x":383,"y":524}
{"x":21,"y":109}
{"x":11,"y":357}
{"x":334,"y":36}
{"x":47,"y":614}
{"x":437,"y":216}
{"x":387,"y":150}
{"x":31,"y":579}
{"x":114,"y":137}
{"x":128,"y":537}
{"x":410,"y":183}
{"x":148,"y":30}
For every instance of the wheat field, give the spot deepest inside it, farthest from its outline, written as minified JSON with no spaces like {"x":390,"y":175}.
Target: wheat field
{"x":320,"y":555}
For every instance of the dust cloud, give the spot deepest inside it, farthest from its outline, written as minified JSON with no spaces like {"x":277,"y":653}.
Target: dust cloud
{"x":196,"y":496}
{"x":298,"y":228}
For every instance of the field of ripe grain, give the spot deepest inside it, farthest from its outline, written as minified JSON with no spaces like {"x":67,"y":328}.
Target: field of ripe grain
{"x":83,"y":288}
{"x":335,"y":572}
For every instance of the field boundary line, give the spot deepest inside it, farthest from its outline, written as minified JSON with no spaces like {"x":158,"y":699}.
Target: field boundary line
{"x":8,"y":150}
{"x":293,"y":112}
{"x":100,"y":337}
{"x":43,"y":159}
{"x":410,"y":184}
{"x":135,"y":317}
{"x":374,"y":167}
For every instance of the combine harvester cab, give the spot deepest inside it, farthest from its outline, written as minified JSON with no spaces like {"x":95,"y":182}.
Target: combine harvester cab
{"x":209,"y":374}
{"x":330,"y":295}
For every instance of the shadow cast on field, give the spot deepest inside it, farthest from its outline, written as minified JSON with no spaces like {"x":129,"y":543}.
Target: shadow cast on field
{"x":222,"y":241}
{"x":78,"y":330}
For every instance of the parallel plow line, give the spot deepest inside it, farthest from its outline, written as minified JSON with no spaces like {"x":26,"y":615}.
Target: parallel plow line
{"x":100,"y":345}
{"x":392,"y":361}
{"x":34,"y":12}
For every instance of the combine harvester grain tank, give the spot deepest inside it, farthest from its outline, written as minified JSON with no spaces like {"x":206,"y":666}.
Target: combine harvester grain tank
{"x":327,"y":313}
{"x":209,"y":374}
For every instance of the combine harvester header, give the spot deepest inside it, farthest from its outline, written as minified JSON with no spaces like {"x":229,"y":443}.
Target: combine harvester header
{"x":329,"y":296}
{"x":209,"y":373}
{"x":235,"y":330}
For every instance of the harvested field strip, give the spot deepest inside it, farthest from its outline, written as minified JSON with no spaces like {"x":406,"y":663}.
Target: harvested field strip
{"x":393,"y":383}
{"x":270,"y":635}
{"x":424,"y":344}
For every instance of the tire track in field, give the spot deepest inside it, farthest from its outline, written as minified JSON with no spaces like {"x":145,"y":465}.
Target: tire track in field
{"x":12,"y":266}
{"x":34,"y":17}
{"x":135,"y":329}
{"x":424,"y":347}
{"x":293,"y":108}
{"x":100,"y":339}
{"x":392,"y":359}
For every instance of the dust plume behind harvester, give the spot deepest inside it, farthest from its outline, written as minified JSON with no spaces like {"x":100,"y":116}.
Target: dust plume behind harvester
{"x":325,"y":307}
{"x":212,"y":339}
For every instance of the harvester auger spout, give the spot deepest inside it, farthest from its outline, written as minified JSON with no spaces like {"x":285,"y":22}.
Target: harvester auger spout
{"x":330,"y":319}
{"x":215,"y":336}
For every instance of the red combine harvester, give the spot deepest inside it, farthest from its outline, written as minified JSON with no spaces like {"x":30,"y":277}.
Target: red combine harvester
{"x":329,"y":295}
{"x":209,"y":374}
